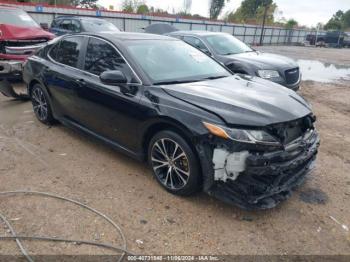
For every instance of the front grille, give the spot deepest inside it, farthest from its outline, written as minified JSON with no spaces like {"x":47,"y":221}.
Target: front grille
{"x":289,"y":131}
{"x":20,"y":43}
{"x":292,"y":75}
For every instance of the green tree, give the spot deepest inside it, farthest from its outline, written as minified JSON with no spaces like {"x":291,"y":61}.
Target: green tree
{"x":216,"y":7}
{"x":142,"y":9}
{"x":88,"y":3}
{"x":252,"y":11}
{"x":132,"y":6}
{"x":346,"y":20}
{"x":128,"y":6}
{"x":291,"y":23}
{"x":336,"y":22}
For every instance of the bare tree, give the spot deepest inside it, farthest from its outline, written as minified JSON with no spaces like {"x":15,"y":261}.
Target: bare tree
{"x":216,"y":7}
{"x":187,"y":4}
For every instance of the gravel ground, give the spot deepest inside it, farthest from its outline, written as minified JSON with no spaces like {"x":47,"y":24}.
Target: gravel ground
{"x":58,"y":160}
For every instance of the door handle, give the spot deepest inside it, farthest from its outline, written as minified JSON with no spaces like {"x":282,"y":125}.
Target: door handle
{"x":79,"y":83}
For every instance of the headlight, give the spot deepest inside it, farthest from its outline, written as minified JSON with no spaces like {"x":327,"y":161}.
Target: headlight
{"x":242,"y":135}
{"x":267,"y":74}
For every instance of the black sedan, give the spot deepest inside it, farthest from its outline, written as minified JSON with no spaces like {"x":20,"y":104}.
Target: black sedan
{"x":240,"y":58}
{"x":242,"y":139}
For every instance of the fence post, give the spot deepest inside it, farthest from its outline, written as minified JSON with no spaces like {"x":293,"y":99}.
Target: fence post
{"x":256,"y":28}
{"x":245,"y":30}
{"x":272,"y":32}
{"x":279,"y":34}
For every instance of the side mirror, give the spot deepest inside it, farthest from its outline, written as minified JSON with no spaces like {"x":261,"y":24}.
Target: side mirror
{"x":206,"y":51}
{"x":44,"y":26}
{"x":114,"y":77}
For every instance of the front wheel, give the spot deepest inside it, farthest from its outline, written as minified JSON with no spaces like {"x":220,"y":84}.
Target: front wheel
{"x":174,"y":163}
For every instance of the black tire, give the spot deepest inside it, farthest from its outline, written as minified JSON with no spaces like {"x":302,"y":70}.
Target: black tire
{"x":41,"y":105}
{"x":180,"y":161}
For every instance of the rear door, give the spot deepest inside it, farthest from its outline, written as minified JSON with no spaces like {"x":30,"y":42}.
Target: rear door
{"x":62,"y":75}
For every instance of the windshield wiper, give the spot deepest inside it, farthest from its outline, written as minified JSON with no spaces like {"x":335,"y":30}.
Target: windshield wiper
{"x":230,"y":53}
{"x":213,"y":77}
{"x":176,"y":82}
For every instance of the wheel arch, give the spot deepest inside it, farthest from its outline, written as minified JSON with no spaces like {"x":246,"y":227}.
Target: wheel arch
{"x":31,"y":85}
{"x":166,"y":124}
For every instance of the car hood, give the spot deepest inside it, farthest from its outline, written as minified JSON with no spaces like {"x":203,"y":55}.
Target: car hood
{"x":243,"y":100}
{"x":11,"y":32}
{"x":264,"y":60}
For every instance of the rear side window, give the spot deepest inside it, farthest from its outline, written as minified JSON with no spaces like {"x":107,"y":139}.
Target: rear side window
{"x":101,"y":56}
{"x":67,"y":51}
{"x":66,"y":25}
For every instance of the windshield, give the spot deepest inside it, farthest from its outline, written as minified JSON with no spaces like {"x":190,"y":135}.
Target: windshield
{"x":225,"y":44}
{"x":17,"y":18}
{"x":166,"y":61}
{"x":98,"y":25}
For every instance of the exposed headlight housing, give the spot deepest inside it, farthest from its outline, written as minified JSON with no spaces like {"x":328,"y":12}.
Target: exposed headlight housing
{"x":268,"y":74}
{"x":242,"y":135}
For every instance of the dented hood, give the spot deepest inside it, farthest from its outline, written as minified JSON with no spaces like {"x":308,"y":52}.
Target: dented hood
{"x":243,"y":100}
{"x":12,"y":32}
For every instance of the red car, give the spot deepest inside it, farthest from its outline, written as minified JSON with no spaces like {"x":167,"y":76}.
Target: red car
{"x":20,"y":36}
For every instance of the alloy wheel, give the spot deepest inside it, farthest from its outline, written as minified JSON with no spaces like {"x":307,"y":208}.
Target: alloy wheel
{"x":170,"y":163}
{"x":39,"y":104}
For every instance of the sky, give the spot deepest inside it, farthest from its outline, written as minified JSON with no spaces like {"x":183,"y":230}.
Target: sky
{"x":306,"y":12}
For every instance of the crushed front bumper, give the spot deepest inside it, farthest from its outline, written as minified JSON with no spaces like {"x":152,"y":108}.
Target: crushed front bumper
{"x":268,"y":177}
{"x":11,"y":71}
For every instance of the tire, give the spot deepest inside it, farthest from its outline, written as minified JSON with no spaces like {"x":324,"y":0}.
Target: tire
{"x":184,"y":175}
{"x":41,"y":105}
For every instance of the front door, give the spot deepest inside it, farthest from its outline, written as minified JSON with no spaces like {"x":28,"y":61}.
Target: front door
{"x":110,"y":111}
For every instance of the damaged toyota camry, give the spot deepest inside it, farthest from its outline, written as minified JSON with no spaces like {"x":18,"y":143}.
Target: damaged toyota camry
{"x":242,"y":139}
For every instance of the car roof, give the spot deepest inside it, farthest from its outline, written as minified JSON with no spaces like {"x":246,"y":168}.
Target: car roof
{"x":124,"y":36}
{"x":195,"y":33}
{"x":77,"y":17}
{"x":9,"y":7}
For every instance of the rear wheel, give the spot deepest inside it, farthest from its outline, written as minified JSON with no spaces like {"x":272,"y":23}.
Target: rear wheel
{"x":41,"y":105}
{"x":174,"y":163}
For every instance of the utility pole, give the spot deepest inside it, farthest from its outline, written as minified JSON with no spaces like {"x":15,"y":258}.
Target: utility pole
{"x":263,"y":24}
{"x":340,"y":33}
{"x":317,"y":29}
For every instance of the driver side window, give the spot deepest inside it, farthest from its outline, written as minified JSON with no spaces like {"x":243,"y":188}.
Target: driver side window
{"x":101,"y":57}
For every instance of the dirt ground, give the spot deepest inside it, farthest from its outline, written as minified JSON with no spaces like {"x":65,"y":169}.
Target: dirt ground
{"x":315,"y":220}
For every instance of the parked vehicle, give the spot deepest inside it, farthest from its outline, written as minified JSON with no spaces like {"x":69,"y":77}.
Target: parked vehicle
{"x":76,"y":24}
{"x":240,"y":58}
{"x":335,"y":39}
{"x":20,"y":36}
{"x":242,"y":139}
